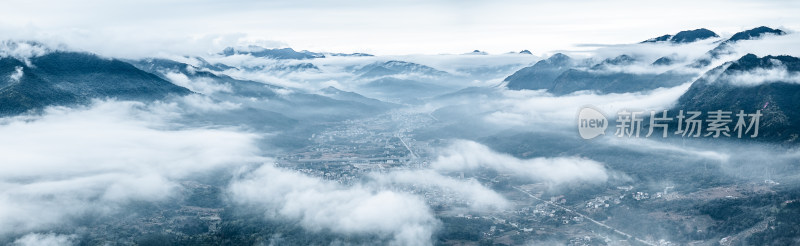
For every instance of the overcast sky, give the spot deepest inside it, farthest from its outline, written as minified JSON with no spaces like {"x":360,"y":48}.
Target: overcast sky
{"x":385,"y":27}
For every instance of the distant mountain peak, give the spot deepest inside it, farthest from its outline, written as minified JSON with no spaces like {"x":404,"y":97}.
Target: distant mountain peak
{"x":693,"y":35}
{"x":330,"y":88}
{"x":664,"y":38}
{"x":541,"y":74}
{"x":349,"y":54}
{"x":526,"y":52}
{"x":559,"y":58}
{"x":751,"y":70}
{"x":726,"y":47}
{"x":755,"y":33}
{"x":477,"y":52}
{"x":750,"y":61}
{"x":663,"y":61}
{"x":683,"y":37}
{"x":277,"y":53}
{"x":392,"y":67}
{"x":404,"y":65}
{"x":621,"y":60}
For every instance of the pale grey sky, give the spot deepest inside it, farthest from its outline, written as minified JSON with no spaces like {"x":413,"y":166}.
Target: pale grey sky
{"x":131,"y":28}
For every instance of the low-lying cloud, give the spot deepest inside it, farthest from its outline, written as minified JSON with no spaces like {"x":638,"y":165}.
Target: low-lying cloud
{"x":201,"y":85}
{"x":16,"y":75}
{"x":465,"y":155}
{"x":476,"y":196}
{"x":539,"y":109}
{"x":103,"y":156}
{"x":69,"y":162}
{"x":44,"y":239}
{"x":401,"y":218}
{"x":760,"y":76}
{"x":22,"y":50}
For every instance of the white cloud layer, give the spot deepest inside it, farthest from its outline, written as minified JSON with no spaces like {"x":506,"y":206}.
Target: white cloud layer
{"x":478,"y":197}
{"x":48,"y":239}
{"x":201,"y":85}
{"x":102,"y":156}
{"x":467,"y":155}
{"x":91,"y":160}
{"x":21,"y":50}
{"x":760,"y":76}
{"x":541,"y":110}
{"x":403,"y":218}
{"x":17,"y":74}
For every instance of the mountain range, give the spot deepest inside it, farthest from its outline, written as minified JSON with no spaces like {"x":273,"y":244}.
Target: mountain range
{"x":68,"y":78}
{"x":735,"y":86}
{"x":52,"y":77}
{"x":278,"y":53}
{"x":561,"y":74}
{"x":684,"y":36}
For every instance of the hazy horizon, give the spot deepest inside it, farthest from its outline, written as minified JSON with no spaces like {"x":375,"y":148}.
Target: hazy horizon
{"x":386,"y":28}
